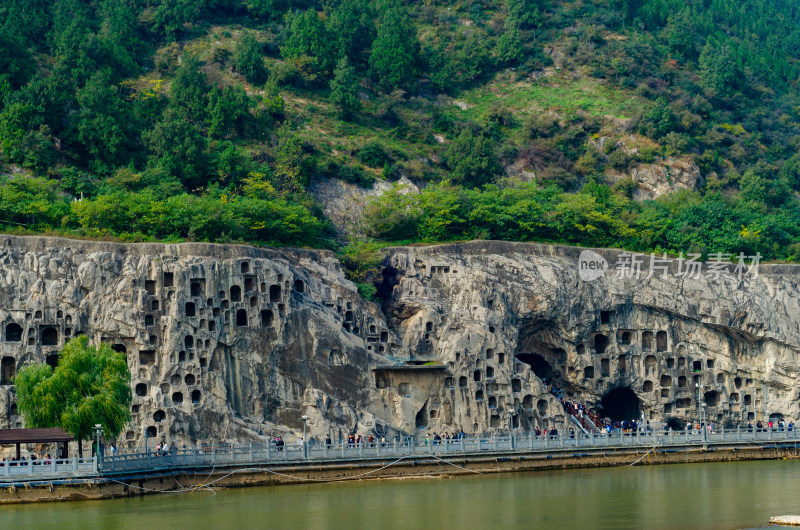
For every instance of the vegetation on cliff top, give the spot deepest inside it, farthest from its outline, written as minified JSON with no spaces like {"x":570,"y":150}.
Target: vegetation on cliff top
{"x":208,"y":119}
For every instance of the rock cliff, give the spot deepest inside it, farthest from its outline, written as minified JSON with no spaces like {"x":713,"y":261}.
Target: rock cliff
{"x":234,"y":343}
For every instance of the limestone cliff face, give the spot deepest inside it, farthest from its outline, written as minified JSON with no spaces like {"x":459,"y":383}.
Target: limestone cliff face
{"x":501,"y":316}
{"x":660,"y":178}
{"x":223,"y":342}
{"x":233,"y":343}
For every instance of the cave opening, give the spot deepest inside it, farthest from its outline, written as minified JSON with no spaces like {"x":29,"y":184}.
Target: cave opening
{"x":621,"y":404}
{"x":711,"y":398}
{"x":541,"y":368}
{"x":421,"y":420}
{"x":675,"y":424}
{"x":600,"y":343}
{"x":13,"y":332}
{"x":7,"y":370}
{"x":385,"y":288}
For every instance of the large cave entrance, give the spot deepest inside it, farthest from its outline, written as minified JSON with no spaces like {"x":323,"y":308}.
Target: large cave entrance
{"x":538,"y":364}
{"x":541,"y":346}
{"x":621,"y":404}
{"x":675,"y":424}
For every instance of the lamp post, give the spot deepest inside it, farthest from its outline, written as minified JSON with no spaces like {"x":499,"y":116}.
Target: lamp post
{"x":700,"y":407}
{"x":98,"y":430}
{"x":145,"y":440}
{"x":305,"y":442}
{"x":511,"y":426}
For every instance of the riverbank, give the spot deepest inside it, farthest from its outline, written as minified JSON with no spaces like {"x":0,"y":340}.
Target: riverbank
{"x":407,"y":467}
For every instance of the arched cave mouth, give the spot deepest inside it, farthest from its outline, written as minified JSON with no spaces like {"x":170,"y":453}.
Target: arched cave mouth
{"x":390,"y":277}
{"x":675,"y":424}
{"x":540,"y":346}
{"x":541,"y":368}
{"x":621,"y":404}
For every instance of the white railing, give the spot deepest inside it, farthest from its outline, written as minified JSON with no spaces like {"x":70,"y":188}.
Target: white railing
{"x":210,"y":455}
{"x":48,"y":468}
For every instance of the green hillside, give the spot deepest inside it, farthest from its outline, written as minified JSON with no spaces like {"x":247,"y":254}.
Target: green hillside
{"x":517,"y":119}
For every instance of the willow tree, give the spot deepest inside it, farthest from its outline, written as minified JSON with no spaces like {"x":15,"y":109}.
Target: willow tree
{"x":90,"y":385}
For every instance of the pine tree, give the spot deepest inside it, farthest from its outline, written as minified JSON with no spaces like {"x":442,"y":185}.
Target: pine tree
{"x":308,"y":36}
{"x":394,"y":50}
{"x":719,"y":70}
{"x":344,"y":88}
{"x":471,"y":158}
{"x":247,"y":60}
{"x":188,"y":90}
{"x":509,"y":45}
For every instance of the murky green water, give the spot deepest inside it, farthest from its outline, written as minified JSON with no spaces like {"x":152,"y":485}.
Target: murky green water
{"x":730,"y":495}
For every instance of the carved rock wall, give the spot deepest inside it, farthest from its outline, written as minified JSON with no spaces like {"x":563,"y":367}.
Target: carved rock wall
{"x":233,"y":343}
{"x":223,"y":342}
{"x":504,"y":316}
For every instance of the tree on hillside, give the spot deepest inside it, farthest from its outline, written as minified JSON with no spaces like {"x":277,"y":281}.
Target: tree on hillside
{"x":394,"y":50}
{"x":719,"y":70}
{"x":178,"y":147}
{"x":228,"y":110}
{"x":679,"y":34}
{"x":268,"y":9}
{"x":90,"y":385}
{"x":171,"y":15}
{"x":658,"y":121}
{"x":353,"y":22}
{"x":248,"y":60}
{"x":118,"y":34}
{"x":16,"y":64}
{"x":509,"y":45}
{"x":103,"y":121}
{"x":344,"y":88}
{"x":188,"y":90}
{"x":471,"y":158}
{"x":524,"y":13}
{"x":308,"y":39}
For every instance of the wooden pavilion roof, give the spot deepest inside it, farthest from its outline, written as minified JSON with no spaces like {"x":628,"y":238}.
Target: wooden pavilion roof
{"x":26,"y":436}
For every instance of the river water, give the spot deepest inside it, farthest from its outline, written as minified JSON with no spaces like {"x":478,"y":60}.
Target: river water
{"x":720,"y":495}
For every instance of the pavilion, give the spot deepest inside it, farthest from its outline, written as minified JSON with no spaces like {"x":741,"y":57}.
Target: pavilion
{"x":37,"y":436}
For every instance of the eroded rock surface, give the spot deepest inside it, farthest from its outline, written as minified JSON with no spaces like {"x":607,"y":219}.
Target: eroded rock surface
{"x":233,"y":343}
{"x":504,"y":316}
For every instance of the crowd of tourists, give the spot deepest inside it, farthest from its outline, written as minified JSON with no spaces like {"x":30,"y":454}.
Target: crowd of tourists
{"x":444,"y":438}
{"x":33,"y":459}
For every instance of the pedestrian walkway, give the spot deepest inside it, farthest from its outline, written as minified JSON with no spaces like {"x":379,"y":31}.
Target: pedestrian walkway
{"x":220,"y":455}
{"x":46,"y":468}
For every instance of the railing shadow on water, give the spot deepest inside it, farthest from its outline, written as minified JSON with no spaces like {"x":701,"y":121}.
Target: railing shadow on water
{"x":211,"y":455}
